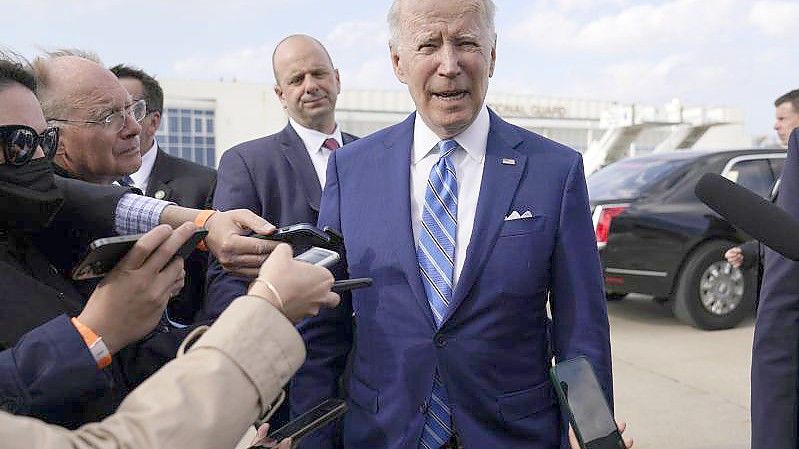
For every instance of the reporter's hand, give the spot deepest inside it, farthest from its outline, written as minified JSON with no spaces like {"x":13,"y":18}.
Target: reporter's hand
{"x":238,"y":254}
{"x":263,"y":441}
{"x":303,"y":288}
{"x":628,"y":442}
{"x":129,"y":301}
{"x":735,"y":256}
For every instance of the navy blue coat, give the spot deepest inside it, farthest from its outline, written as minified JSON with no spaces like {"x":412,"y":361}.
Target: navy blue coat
{"x":775,"y":352}
{"x":272,"y":176}
{"x":493,"y":349}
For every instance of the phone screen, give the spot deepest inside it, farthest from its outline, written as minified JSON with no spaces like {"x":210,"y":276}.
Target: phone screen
{"x":319,"y":256}
{"x":590,"y":415}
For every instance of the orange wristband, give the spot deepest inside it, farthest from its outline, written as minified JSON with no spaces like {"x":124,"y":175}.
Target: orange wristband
{"x":94,"y":342}
{"x":200,"y":221}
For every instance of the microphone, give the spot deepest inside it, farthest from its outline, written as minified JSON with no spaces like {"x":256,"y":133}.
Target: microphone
{"x":750,"y":212}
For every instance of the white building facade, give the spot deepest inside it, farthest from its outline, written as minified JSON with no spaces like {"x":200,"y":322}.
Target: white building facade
{"x":202,"y":119}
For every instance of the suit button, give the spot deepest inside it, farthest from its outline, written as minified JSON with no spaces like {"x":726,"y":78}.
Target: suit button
{"x":441,"y":340}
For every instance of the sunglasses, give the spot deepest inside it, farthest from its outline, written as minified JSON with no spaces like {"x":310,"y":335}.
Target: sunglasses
{"x":19,"y":143}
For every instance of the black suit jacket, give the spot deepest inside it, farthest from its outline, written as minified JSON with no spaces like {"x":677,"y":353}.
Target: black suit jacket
{"x":274,"y":177}
{"x":775,"y":352}
{"x":186,"y":184}
{"x":183,"y":182}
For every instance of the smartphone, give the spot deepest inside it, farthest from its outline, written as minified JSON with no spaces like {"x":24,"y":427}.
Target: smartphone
{"x":303,"y":234}
{"x":104,"y":254}
{"x":584,"y":402}
{"x":350,"y":284}
{"x":306,"y":423}
{"x":319,"y":256}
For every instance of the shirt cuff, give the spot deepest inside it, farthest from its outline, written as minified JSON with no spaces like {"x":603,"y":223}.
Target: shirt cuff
{"x":137,"y":214}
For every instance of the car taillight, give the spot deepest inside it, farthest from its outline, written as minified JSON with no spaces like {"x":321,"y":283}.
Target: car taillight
{"x":603,"y":216}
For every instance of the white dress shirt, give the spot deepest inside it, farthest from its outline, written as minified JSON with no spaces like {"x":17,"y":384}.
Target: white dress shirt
{"x":313,"y":141}
{"x":469,"y":161}
{"x":142,"y":176}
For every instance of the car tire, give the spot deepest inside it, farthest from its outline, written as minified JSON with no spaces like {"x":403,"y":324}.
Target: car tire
{"x":711,"y":295}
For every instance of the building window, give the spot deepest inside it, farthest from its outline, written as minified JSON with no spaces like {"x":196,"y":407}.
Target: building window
{"x":179,"y":138}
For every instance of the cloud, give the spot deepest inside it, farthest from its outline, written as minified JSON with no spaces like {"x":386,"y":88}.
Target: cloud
{"x":358,"y":34}
{"x":623,"y":29}
{"x":246,"y":64}
{"x":374,"y":73}
{"x":775,"y":18}
{"x":676,"y":75}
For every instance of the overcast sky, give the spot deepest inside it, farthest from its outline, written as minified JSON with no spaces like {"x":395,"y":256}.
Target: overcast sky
{"x":705,"y":52}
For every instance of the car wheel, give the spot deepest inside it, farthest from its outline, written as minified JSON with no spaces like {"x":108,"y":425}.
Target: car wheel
{"x":710,"y":293}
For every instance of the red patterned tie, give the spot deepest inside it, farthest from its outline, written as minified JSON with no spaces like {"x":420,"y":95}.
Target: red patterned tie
{"x":331,"y":144}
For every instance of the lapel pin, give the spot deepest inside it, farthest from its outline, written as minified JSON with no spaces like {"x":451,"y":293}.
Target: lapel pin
{"x":508,"y":161}
{"x":159,"y":195}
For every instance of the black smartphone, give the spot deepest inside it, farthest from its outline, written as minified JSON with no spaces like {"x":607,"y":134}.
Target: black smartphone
{"x":302,"y":234}
{"x":105,"y":253}
{"x":584,"y":402}
{"x":346,"y":285}
{"x":319,"y":256}
{"x":306,"y":423}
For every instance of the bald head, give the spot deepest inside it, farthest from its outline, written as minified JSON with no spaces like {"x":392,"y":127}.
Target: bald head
{"x":293,"y":45}
{"x":79,"y":95}
{"x":306,"y":82}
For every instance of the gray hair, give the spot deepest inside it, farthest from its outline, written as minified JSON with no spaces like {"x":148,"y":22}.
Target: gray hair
{"x":55,"y":105}
{"x":487,"y":8}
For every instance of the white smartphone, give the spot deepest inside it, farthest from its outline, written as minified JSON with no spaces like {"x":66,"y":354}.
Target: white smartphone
{"x":319,"y":256}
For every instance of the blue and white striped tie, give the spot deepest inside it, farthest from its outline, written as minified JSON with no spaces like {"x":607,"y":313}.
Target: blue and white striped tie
{"x":436,"y":255}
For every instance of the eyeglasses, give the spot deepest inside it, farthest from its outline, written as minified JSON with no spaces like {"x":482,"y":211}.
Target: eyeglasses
{"x":19,"y":143}
{"x":114,"y":121}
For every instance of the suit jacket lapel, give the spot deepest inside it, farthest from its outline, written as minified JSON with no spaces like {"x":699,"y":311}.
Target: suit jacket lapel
{"x":301,"y":163}
{"x":160,"y":176}
{"x":393,"y":166}
{"x":497,"y":190}
{"x":347,"y":138}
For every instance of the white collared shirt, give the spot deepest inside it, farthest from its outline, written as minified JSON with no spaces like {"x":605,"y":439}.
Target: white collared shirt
{"x":313,"y":141}
{"x":469,"y":162}
{"x":142,"y":176}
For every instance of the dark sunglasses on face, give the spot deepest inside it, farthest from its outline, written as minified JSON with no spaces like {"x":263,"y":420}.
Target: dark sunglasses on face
{"x":19,"y":143}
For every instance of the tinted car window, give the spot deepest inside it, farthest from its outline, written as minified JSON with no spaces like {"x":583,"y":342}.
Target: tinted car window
{"x":629,"y":177}
{"x":776,"y":166}
{"x":755,"y":175}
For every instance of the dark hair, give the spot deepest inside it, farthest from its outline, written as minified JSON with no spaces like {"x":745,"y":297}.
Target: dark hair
{"x":792,"y":97}
{"x":153,"y":94}
{"x":12,"y":71}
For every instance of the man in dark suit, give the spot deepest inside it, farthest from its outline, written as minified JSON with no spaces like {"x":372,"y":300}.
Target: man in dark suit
{"x":775,"y":351}
{"x":169,"y":178}
{"x":280,"y":177}
{"x":471,"y":229}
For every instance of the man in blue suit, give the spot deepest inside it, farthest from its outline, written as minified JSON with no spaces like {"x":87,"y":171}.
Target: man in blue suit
{"x":775,"y":352}
{"x":470,"y":228}
{"x":280,"y":177}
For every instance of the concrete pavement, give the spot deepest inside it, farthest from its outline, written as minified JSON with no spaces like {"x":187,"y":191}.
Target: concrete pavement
{"x":676,"y":386}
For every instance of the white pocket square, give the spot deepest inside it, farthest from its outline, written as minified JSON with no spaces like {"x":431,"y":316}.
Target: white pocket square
{"x":515,"y":215}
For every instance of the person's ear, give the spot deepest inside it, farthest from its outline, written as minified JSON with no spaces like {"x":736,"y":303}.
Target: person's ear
{"x":396,"y":64}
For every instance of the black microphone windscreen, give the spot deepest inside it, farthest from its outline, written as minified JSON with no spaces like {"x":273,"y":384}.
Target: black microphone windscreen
{"x":752,"y":213}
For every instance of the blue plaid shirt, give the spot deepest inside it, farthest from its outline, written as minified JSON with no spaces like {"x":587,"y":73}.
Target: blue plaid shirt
{"x":137,"y":214}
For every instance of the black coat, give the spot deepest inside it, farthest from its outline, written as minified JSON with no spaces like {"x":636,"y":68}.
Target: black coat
{"x":189,"y":185}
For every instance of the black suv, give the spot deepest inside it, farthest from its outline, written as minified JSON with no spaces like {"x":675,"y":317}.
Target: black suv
{"x":656,"y":238}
